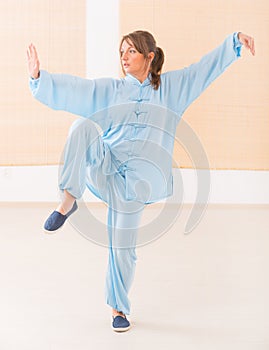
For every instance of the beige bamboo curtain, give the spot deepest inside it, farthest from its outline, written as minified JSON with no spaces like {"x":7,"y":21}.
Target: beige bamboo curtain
{"x":32,"y":134}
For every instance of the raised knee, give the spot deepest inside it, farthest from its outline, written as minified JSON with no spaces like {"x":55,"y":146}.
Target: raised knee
{"x":75,"y":125}
{"x":83,"y":126}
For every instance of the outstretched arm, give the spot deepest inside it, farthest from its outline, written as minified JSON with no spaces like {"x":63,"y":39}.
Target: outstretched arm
{"x":188,"y":83}
{"x":73,"y":94}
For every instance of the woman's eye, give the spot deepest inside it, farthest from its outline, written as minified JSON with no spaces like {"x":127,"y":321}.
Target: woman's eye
{"x":132,"y":51}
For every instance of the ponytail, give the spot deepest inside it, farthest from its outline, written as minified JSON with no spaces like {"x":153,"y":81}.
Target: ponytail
{"x":156,"y":67}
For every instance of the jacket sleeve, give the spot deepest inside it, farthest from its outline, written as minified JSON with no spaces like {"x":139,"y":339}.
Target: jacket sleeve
{"x":187,"y":84}
{"x":79,"y":96}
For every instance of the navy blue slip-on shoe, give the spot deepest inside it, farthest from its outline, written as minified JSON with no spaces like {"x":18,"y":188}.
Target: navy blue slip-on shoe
{"x":120,"y":324}
{"x":56,"y":219}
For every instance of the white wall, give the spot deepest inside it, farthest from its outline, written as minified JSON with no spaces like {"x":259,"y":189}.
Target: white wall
{"x":102,"y":38}
{"x":39,"y":184}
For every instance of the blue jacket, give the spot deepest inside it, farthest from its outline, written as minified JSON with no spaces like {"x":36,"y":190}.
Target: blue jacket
{"x":138,"y":123}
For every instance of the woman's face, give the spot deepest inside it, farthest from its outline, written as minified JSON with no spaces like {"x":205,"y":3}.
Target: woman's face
{"x":133,"y":62}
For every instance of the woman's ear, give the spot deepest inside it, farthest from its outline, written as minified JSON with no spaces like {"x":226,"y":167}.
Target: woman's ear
{"x":151,"y":56}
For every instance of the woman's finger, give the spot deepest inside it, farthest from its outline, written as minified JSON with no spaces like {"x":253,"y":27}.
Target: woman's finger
{"x":34,"y":51}
{"x":251,"y":46}
{"x":30,"y":52}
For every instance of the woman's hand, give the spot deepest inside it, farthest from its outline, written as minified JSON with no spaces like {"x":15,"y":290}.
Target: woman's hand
{"x":33,"y":62}
{"x":247,"y":41}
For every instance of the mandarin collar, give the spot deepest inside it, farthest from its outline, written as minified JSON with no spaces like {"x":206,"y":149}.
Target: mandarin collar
{"x":130,"y":78}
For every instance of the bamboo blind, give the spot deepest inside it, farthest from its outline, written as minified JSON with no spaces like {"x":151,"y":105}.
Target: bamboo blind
{"x":32,"y":134}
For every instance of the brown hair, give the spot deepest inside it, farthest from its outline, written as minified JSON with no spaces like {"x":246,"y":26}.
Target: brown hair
{"x":145,"y":43}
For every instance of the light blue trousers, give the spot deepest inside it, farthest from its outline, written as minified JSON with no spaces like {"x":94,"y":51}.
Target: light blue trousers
{"x":88,"y":162}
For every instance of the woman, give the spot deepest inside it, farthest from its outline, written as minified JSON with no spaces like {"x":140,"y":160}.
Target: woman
{"x":129,"y":163}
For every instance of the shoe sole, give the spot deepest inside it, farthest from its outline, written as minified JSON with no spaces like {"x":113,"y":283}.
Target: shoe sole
{"x":121,"y":330}
{"x":52,"y":232}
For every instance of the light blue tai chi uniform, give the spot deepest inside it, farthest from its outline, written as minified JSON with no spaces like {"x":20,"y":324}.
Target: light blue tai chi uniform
{"x":122,"y":148}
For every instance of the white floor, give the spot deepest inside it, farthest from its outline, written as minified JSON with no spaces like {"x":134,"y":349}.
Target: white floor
{"x":206,"y":290}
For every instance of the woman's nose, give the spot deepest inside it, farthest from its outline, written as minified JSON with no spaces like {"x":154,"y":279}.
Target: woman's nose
{"x":124,"y":56}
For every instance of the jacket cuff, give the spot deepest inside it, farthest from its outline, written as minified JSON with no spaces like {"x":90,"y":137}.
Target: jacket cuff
{"x":237,"y":44}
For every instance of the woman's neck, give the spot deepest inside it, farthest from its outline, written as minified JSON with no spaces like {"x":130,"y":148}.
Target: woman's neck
{"x":141,"y":77}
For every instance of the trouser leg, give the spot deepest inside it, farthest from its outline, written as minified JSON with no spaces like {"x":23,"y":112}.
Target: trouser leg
{"x":84,"y":147}
{"x":85,"y":150}
{"x":122,"y":230}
